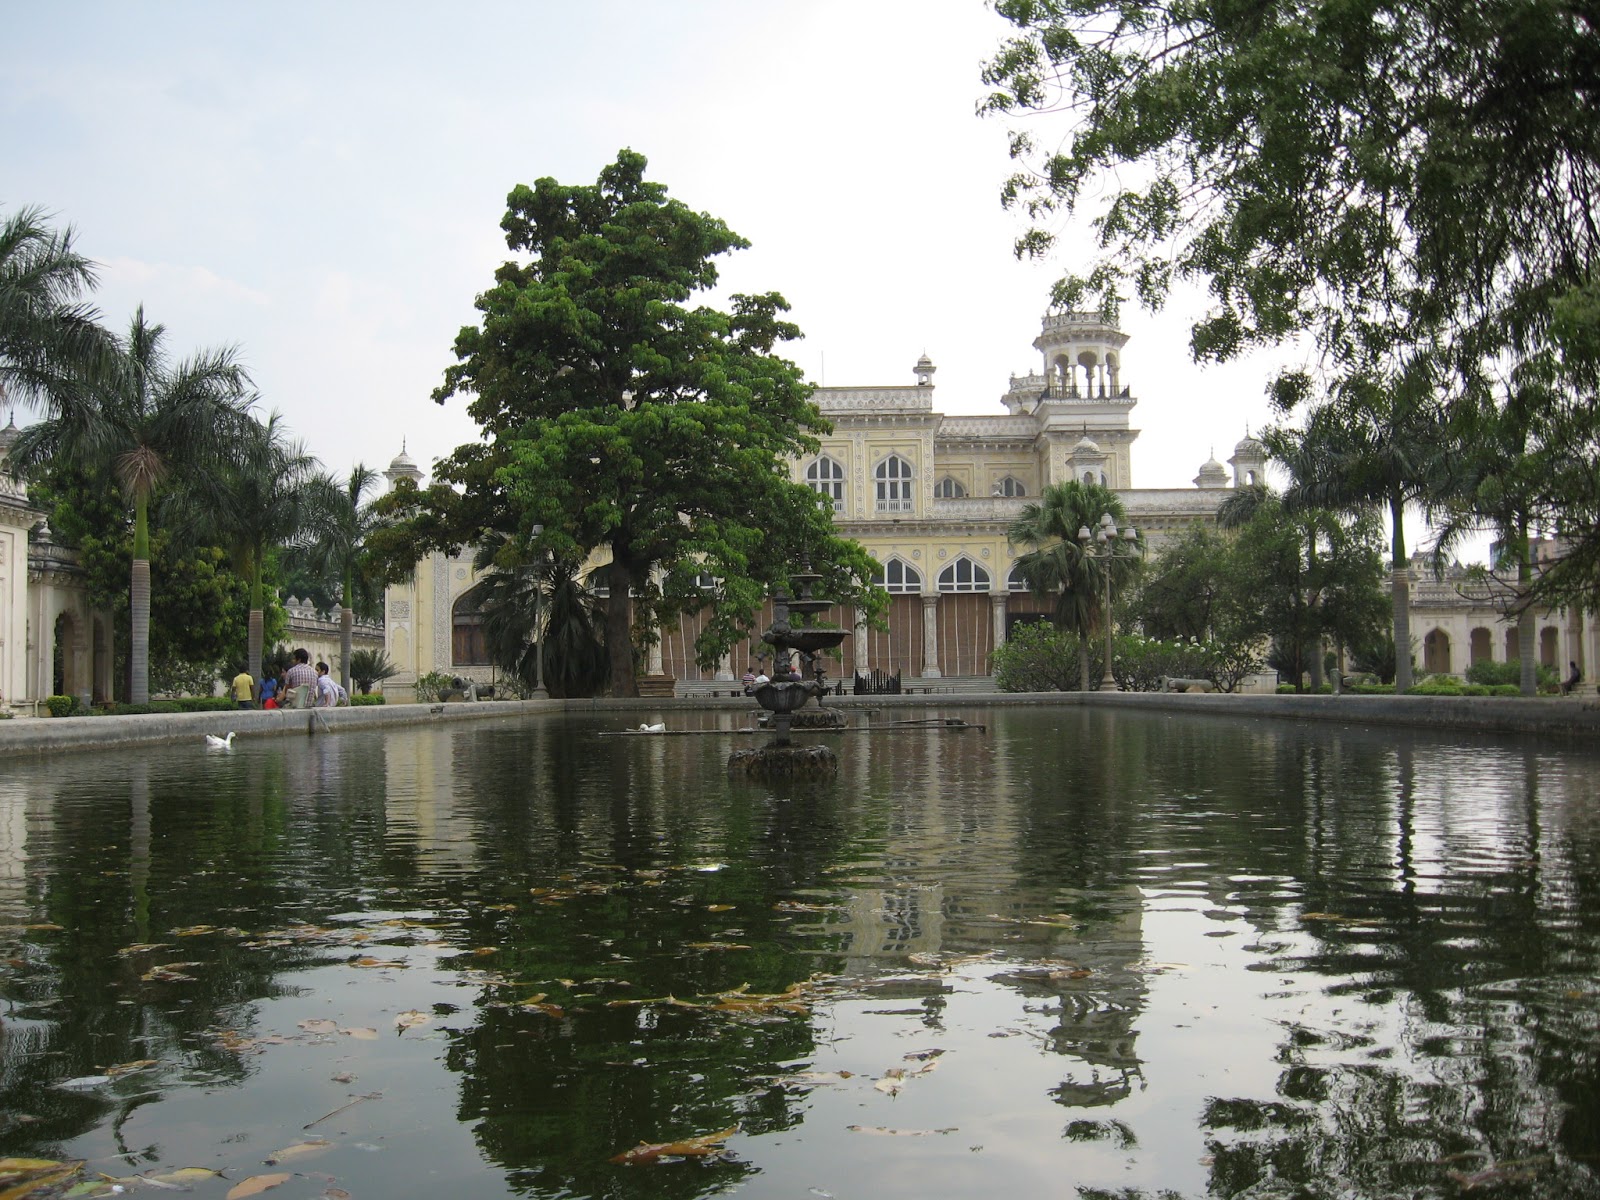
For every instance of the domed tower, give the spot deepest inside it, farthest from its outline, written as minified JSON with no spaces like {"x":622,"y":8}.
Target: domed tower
{"x":1087,"y":462}
{"x":403,"y":467}
{"x":1212,"y":474}
{"x":1082,"y":356}
{"x":924,"y":371}
{"x":1249,"y":462}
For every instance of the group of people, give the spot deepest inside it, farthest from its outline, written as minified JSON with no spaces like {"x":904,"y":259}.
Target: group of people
{"x":782,"y":672}
{"x":283,"y":689}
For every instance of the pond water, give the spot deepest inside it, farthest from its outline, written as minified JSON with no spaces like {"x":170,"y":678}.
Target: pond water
{"x":1076,"y":953}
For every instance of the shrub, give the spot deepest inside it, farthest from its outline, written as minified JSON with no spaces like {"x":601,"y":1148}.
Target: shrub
{"x":430,"y":685}
{"x":1037,"y":657}
{"x":368,"y":667}
{"x":61,"y":706}
{"x":366,"y":699}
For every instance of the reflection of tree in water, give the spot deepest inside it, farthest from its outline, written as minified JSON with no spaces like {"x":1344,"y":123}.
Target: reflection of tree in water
{"x":1463,"y":931}
{"x":627,"y":838}
{"x":122,"y":855}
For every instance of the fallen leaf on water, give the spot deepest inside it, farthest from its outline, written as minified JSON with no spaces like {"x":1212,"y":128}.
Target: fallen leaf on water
{"x":334,"y":1193}
{"x":257,"y":1184}
{"x":719,"y":908}
{"x":483,"y":951}
{"x":42,"y":927}
{"x":298,"y":1150}
{"x":367,"y":960}
{"x":127,"y":1067}
{"x":410,"y":1019}
{"x":500,"y":908}
{"x":881,"y":1131}
{"x":891,"y":1083}
{"x":814,"y":1077}
{"x":716,"y":946}
{"x":142,"y":948}
{"x":24,"y":1176}
{"x":84,"y":1081}
{"x":169,"y":973}
{"x":362,"y":1033}
{"x":343,"y":1077}
{"x":707,"y":1145}
{"x":183,"y":1175}
{"x":319,"y":1025}
{"x":194,"y":930}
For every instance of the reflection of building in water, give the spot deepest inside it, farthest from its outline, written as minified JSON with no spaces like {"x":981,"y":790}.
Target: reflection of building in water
{"x":421,"y":802}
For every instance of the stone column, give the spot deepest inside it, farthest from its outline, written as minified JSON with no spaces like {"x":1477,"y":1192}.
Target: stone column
{"x":652,"y":662}
{"x":997,"y":607}
{"x":724,"y":668}
{"x":930,"y":637}
{"x":858,"y":645}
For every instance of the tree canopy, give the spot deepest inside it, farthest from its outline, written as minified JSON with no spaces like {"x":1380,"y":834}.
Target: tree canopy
{"x":620,"y":420}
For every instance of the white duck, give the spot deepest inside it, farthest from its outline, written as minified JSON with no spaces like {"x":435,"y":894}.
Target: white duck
{"x":653,"y":728}
{"x":216,"y":743}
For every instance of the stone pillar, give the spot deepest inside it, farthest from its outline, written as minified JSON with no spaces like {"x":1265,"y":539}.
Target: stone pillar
{"x":858,"y":645}
{"x":997,"y":607}
{"x":652,"y":663}
{"x":930,"y":637}
{"x":724,"y":668}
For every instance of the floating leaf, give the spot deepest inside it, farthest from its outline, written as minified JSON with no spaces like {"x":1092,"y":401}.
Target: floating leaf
{"x":716,"y":946}
{"x":84,"y":1081}
{"x":483,"y":951}
{"x":37,"y":1174}
{"x":257,"y":1184}
{"x":319,"y":1025}
{"x":128,"y":1067}
{"x":706,"y":1146}
{"x":719,"y":908}
{"x":142,"y":948}
{"x":184,"y":1175}
{"x":362,"y":1033}
{"x":194,"y":930}
{"x":410,"y":1019}
{"x":298,"y":1150}
{"x":881,"y":1131}
{"x":169,"y":973}
{"x":370,"y":962}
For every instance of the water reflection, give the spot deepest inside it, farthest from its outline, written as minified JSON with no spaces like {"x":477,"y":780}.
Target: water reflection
{"x":1151,"y":954}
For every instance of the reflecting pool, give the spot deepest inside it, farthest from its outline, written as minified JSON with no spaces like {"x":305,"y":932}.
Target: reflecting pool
{"x":1075,"y":953}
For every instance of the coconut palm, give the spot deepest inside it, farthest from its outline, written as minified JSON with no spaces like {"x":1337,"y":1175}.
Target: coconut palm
{"x":1375,"y":444}
{"x":141,"y":420}
{"x":340,"y":522}
{"x":540,"y":622}
{"x":1059,"y":568}
{"x":49,"y":338}
{"x":258,"y":500}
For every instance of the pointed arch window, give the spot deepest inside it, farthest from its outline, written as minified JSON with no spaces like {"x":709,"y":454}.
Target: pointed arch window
{"x":1010,"y":486}
{"x":893,"y":477}
{"x":898,"y":576}
{"x":963,"y":575}
{"x":949,"y":489}
{"x":826,"y":477}
{"x":467,"y":645}
{"x":1015,"y":581}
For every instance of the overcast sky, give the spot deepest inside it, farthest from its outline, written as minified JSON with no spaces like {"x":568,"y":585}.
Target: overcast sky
{"x":322,"y":186}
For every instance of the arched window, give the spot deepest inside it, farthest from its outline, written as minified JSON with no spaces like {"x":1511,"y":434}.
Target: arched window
{"x":898,"y":576}
{"x":467,"y":647}
{"x":826,"y":478}
{"x":894,"y":484}
{"x":1015,"y":581}
{"x":1088,"y":477}
{"x":1549,"y":646}
{"x":963,"y":575}
{"x":1436,"y":652}
{"x":949,"y":489}
{"x":1010,"y":486}
{"x":1481,"y":644}
{"x":706,"y":581}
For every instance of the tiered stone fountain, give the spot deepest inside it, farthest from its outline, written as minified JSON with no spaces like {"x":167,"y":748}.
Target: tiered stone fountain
{"x":786,"y":693}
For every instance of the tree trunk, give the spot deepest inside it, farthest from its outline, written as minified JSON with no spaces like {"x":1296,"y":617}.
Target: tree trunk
{"x":139,"y":636}
{"x":1526,"y":651}
{"x":1400,"y":593}
{"x":347,"y":626}
{"x":257,"y":623}
{"x":619,"y":628}
{"x":1083,"y":663}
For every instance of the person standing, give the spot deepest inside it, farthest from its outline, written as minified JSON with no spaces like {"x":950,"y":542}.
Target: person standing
{"x":269,"y":690}
{"x":244,"y":689}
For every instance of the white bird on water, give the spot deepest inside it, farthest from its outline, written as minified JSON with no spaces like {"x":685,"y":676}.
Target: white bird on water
{"x":216,"y":743}
{"x":653,"y":728}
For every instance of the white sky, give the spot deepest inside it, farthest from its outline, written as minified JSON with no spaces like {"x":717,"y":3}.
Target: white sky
{"x":322,"y":185}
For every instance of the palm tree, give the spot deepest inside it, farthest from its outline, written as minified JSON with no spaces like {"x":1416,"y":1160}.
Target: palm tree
{"x":1058,"y":567}
{"x":540,"y":623}
{"x":48,"y":336}
{"x":256,"y":502}
{"x":1374,"y":444}
{"x":142,"y":420}
{"x":340,"y":523}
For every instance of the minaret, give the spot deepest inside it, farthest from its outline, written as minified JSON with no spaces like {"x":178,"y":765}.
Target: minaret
{"x":924,"y":371}
{"x":1249,"y":462}
{"x":403,"y":467}
{"x":1082,"y":356}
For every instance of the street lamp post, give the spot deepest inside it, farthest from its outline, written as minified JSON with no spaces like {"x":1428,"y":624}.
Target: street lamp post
{"x":1102,"y":545}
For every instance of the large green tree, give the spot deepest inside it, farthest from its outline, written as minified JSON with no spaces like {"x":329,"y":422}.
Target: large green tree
{"x":140,"y":420}
{"x":1059,"y":568}
{"x":622,"y":419}
{"x":254,"y":502}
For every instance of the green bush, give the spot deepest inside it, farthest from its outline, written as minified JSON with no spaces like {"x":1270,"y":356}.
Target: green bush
{"x":430,"y":685}
{"x":1036,"y":657}
{"x":360,"y":700}
{"x":61,"y":706}
{"x":1370,"y":689}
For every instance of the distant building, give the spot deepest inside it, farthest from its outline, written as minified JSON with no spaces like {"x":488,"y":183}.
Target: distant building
{"x":931,"y":496}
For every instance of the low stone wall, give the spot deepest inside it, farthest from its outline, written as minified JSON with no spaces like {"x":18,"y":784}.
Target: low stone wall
{"x":1570,"y":719}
